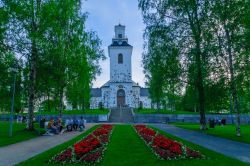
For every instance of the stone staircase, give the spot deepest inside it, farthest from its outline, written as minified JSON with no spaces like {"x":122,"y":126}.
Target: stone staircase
{"x":121,"y":115}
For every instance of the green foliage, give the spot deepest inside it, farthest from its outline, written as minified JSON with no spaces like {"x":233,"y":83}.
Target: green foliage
{"x":200,"y":70}
{"x":61,"y":58}
{"x":50,"y":105}
{"x":7,"y":64}
{"x":161,"y":65}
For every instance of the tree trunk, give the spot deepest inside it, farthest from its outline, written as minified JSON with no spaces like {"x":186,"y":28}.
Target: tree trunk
{"x":199,"y":82}
{"x":48,"y":100}
{"x":232,"y":83}
{"x":201,"y":97}
{"x":32,"y":82}
{"x":196,"y":30}
{"x":158,"y":106}
{"x":83,"y":104}
{"x":200,"y":86}
{"x":32,"y":77}
{"x":61,"y":103}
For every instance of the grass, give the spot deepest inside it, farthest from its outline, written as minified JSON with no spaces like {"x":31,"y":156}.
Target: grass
{"x":126,"y":148}
{"x":164,"y":111}
{"x":77,"y":112}
{"x":161,"y":111}
{"x":18,"y":133}
{"x":227,"y":131}
{"x":68,"y":112}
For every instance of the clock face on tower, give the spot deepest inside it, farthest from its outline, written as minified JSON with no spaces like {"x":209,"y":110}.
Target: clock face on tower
{"x":120,"y":42}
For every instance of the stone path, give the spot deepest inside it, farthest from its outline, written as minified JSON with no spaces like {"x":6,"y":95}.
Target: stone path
{"x":16,"y":153}
{"x":237,"y":150}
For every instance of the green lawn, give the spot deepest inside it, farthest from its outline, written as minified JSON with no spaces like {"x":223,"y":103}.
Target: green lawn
{"x":227,"y":131}
{"x":127,"y":149}
{"x":78,"y":112}
{"x":19,"y":133}
{"x":161,"y":111}
{"x":69,"y":112}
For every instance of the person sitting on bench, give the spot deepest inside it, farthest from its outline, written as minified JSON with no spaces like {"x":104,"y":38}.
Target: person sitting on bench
{"x":59,"y":124}
{"x":69,"y":124}
{"x":81,"y":124}
{"x":51,"y":126}
{"x":75,"y":123}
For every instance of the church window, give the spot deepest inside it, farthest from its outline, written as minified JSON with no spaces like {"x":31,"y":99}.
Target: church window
{"x":120,"y":58}
{"x":119,"y":35}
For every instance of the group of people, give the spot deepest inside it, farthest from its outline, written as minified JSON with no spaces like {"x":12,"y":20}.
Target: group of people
{"x":74,"y":124}
{"x":56,"y":126}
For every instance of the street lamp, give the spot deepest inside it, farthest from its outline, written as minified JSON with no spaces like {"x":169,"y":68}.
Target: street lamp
{"x":13,"y":99}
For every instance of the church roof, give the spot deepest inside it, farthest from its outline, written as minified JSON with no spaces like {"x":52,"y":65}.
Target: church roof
{"x":135,"y":84}
{"x":124,"y":43}
{"x":105,"y":85}
{"x":95,"y":92}
{"x":144,"y":92}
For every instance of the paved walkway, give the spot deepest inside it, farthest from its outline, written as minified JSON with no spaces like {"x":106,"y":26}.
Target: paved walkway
{"x":237,"y":150}
{"x":16,"y":153}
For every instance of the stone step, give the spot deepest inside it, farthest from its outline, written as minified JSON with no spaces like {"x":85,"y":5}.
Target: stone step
{"x":121,"y":115}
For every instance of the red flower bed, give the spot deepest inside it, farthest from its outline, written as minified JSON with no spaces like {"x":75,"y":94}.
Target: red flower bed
{"x":88,"y":150}
{"x":164,"y":147}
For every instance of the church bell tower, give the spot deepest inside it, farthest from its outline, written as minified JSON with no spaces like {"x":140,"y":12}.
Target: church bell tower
{"x":120,"y":53}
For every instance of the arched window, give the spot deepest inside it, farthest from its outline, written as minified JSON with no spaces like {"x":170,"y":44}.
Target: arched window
{"x":120,"y":58}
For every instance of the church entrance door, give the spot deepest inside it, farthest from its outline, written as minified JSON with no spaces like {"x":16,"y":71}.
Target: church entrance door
{"x":120,"y":98}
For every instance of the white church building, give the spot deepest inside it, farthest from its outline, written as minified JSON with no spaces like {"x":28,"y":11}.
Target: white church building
{"x":120,"y":90}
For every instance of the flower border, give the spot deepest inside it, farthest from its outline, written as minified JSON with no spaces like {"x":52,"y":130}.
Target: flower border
{"x":163,"y":147}
{"x":90,"y":148}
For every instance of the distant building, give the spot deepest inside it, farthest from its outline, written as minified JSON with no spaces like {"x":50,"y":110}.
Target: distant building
{"x":120,"y":90}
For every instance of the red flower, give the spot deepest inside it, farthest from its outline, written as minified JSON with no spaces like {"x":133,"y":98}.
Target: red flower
{"x":92,"y":157}
{"x":100,"y":131}
{"x":86,"y":146}
{"x":64,"y":156}
{"x":192,"y":154}
{"x":167,"y":144}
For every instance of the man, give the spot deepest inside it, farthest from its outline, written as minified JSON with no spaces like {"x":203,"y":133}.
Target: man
{"x":75,"y":124}
{"x":82,"y":124}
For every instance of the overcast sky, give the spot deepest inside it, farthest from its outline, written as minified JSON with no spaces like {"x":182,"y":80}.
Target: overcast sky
{"x":103,"y":16}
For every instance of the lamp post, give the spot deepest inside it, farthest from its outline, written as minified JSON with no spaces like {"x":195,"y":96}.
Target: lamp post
{"x":12,"y":100}
{"x":14,"y":69}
